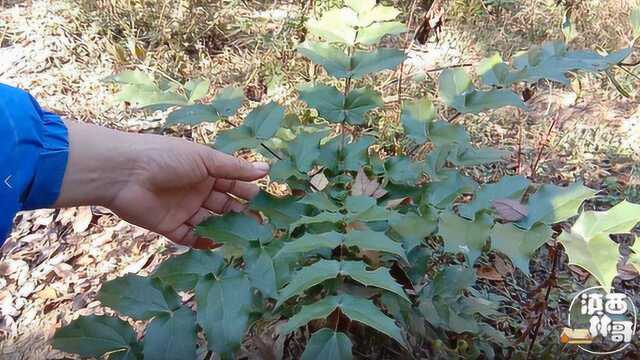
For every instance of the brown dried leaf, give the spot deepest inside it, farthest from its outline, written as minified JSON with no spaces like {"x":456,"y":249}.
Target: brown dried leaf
{"x":508,"y":209}
{"x":362,"y":185}
{"x":488,"y":273}
{"x":83,"y":219}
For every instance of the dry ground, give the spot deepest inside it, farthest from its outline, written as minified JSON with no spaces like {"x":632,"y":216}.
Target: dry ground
{"x":55,"y":260}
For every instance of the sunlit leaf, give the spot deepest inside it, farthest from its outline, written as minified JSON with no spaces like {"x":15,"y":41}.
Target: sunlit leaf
{"x":416,"y":118}
{"x":519,"y":245}
{"x":372,"y":34}
{"x":552,"y":204}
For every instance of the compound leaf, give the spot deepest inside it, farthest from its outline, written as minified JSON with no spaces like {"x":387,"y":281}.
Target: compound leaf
{"x":197,"y":89}
{"x":305,"y":149}
{"x":334,"y":60}
{"x":193,"y":115}
{"x":311,"y":242}
{"x":335,"y":25}
{"x":232,"y":140}
{"x":376,"y":241}
{"x":357,"y":309}
{"x":358,"y":103}
{"x":364,"y":63}
{"x":261,"y":270}
{"x":380,"y":277}
{"x":309,"y":276}
{"x":320,"y":201}
{"x":94,"y":336}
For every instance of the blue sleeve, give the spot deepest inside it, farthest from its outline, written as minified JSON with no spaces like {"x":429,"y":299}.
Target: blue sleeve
{"x":34,"y":149}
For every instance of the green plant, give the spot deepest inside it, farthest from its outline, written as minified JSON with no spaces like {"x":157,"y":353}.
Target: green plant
{"x":377,"y":250}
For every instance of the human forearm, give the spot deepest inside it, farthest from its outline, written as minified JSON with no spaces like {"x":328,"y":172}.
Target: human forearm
{"x":100,"y":163}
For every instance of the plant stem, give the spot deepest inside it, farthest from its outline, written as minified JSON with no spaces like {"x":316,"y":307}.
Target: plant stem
{"x":551,"y":280}
{"x":543,"y":144}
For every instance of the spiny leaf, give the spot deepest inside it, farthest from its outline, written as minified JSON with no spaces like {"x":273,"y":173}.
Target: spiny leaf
{"x":365,"y":209}
{"x":281,"y":211}
{"x":457,"y":91}
{"x":223,"y":311}
{"x":451,"y":185}
{"x":462,"y":235}
{"x":326,"y":216}
{"x":357,"y":309}
{"x":416,"y":118}
{"x":228,"y":101}
{"x":305,"y":149}
{"x":193,"y":115}
{"x":509,"y":187}
{"x":597,"y":254}
{"x":232,"y":140}
{"x":183,"y":271}
{"x":261,"y":270}
{"x":356,"y":153}
{"x":311,"y":242}
{"x":403,"y":170}
{"x":412,"y":228}
{"x":328,"y":269}
{"x":309,"y":276}
{"x":94,"y":336}
{"x":171,"y":336}
{"x":380,"y":277}
{"x":361,"y":6}
{"x":493,"y":71}
{"x":335,"y":25}
{"x":328,"y":344}
{"x":320,"y":201}
{"x":470,"y":156}
{"x":443,"y":133}
{"x":197,"y":89}
{"x":509,"y":210}
{"x":378,"y":14}
{"x":358,"y":103}
{"x":138,"y":297}
{"x":376,"y":241}
{"x":234,"y":229}
{"x":588,"y":244}
{"x":265,"y":120}
{"x":552,"y":204}
{"x":519,"y":245}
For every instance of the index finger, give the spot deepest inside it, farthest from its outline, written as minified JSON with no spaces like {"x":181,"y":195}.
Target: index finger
{"x":221,"y":165}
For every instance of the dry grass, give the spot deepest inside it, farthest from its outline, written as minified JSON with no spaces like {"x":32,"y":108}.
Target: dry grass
{"x":60,"y":51}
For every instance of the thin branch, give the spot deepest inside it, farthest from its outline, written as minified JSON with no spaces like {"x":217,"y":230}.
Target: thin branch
{"x":551,"y":280}
{"x":448,"y":67}
{"x":543,"y":144}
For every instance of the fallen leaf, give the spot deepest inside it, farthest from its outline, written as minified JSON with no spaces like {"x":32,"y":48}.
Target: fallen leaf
{"x":47,"y":293}
{"x":508,"y":209}
{"x":320,"y":181}
{"x":488,"y":273}
{"x":83,"y":219}
{"x":503,"y":267}
{"x":362,"y":185}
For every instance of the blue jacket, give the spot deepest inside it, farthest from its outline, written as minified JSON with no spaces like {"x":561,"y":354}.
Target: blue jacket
{"x":34,"y":149}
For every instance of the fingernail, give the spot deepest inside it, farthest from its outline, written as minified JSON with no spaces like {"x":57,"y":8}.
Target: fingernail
{"x":262,"y":166}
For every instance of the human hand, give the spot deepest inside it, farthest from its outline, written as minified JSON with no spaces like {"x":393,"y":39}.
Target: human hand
{"x":163,"y":184}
